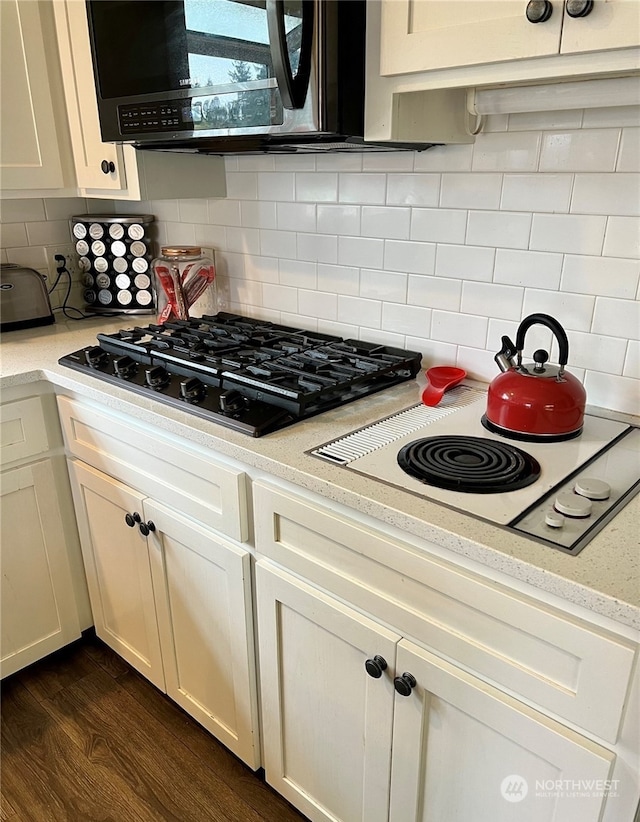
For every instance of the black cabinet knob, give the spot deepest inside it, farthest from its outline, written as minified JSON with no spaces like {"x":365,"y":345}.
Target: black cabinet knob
{"x":132,"y":519}
{"x":107,"y":166}
{"x":405,"y":684}
{"x":578,"y":8}
{"x":538,"y":11}
{"x":146,"y":528}
{"x":374,"y":667}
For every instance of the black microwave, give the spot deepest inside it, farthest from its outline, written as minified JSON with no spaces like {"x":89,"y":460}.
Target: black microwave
{"x":230,"y":75}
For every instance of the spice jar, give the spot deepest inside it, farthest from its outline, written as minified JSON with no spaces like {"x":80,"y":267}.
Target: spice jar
{"x":185,"y":282}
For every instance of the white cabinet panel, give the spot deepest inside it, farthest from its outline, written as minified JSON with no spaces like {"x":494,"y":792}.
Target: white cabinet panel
{"x":611,"y":24}
{"x":29,"y":148}
{"x":326,"y":723}
{"x":463,"y":750}
{"x":118,"y":573}
{"x":39,"y":612}
{"x":202,"y":587}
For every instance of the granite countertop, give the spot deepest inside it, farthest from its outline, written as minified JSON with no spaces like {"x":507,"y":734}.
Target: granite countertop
{"x":604,"y":577}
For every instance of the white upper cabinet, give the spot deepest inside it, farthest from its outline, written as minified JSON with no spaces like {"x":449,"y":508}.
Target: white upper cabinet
{"x":30,"y":151}
{"x":426,"y":35}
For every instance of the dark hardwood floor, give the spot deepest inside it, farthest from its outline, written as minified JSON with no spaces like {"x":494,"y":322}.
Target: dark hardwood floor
{"x":85,"y":738}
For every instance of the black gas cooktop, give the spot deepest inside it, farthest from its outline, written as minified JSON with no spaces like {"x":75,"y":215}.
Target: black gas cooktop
{"x":247,"y":374}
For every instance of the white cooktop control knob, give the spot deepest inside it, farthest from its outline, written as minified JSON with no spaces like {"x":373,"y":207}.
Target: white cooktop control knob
{"x":553,"y":519}
{"x":592,"y":488}
{"x":572,"y":505}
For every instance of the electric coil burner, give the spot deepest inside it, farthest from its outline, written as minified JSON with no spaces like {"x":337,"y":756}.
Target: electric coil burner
{"x":250,"y":375}
{"x":469,"y":464}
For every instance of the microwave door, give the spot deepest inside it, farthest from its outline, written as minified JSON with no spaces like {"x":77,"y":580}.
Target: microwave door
{"x":290,"y":25}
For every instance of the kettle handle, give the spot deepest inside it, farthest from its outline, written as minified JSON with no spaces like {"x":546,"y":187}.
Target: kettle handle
{"x":556,"y":328}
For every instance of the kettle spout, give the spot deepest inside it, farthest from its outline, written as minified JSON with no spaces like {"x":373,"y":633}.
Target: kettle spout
{"x":504,"y":357}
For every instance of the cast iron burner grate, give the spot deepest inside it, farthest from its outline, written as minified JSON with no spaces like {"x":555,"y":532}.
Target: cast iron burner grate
{"x":469,"y":464}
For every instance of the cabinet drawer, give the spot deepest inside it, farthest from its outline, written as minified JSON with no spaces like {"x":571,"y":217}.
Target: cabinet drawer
{"x":576,"y":671}
{"x":188,"y":479}
{"x":23,"y":431}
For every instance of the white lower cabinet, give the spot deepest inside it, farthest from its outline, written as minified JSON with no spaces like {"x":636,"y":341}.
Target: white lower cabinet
{"x":341,"y":744}
{"x":488,"y":705}
{"x":174,"y":599}
{"x":39,"y":613}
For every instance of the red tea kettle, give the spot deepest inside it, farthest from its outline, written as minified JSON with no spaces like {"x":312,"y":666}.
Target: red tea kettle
{"x":536,"y":401}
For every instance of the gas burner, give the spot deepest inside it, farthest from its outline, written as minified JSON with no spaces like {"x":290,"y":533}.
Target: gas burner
{"x":469,"y":464}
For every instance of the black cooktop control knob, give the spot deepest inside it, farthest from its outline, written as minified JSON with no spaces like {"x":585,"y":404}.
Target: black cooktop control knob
{"x":156,"y":376}
{"x":125,"y":367}
{"x":231,"y":402}
{"x":95,"y":356}
{"x":192,"y":390}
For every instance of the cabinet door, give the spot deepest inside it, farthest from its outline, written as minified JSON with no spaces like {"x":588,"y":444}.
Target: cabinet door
{"x":89,"y":151}
{"x":29,"y":149}
{"x":39,"y":612}
{"x":202,"y":586}
{"x":612,"y":24}
{"x":116,"y":559}
{"x":464,"y":750}
{"x":421,"y":35}
{"x":326,"y":723}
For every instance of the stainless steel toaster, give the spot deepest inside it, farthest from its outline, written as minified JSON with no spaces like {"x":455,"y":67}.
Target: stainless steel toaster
{"x":24,"y":301}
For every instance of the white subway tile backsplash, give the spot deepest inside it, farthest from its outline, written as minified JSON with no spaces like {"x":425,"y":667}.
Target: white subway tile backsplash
{"x":494,"y":228}
{"x":465,"y":262}
{"x":367,"y":189}
{"x":318,"y":187}
{"x":461,"y":329}
{"x":339,"y":279}
{"x":409,"y":257}
{"x":368,"y":312}
{"x":506,"y":151}
{"x":596,"y":352}
{"x":257,"y":214}
{"x":298,"y":274}
{"x":317,"y":248}
{"x":318,"y":304}
{"x":491,"y":300}
{"x":470,"y":190}
{"x":573,"y":311}
{"x":360,"y":251}
{"x":441,"y":251}
{"x":617,"y":318}
{"x":296,"y":217}
{"x":537,"y":192}
{"x":629,"y":153}
{"x":613,"y":194}
{"x":622,"y":237}
{"x":438,"y":225}
{"x":278,"y":243}
{"x":388,"y":161}
{"x":276,"y":186}
{"x":383,"y":285}
{"x":390,"y":222}
{"x":444,"y":158}
{"x":242,"y":185}
{"x":631,"y":366}
{"x":601,"y":276}
{"x":593,"y":150}
{"x":339,"y":219}
{"x":434,"y":292}
{"x":406,"y":319}
{"x":536,"y":268}
{"x":568,"y":233}
{"x":608,"y":391}
{"x":413,"y":189}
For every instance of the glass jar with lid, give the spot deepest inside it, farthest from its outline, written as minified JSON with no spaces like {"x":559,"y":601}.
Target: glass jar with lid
{"x":185,"y":281}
